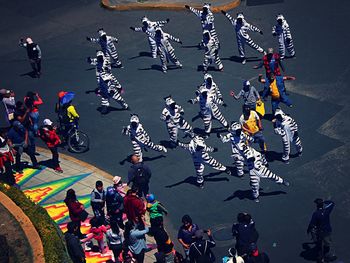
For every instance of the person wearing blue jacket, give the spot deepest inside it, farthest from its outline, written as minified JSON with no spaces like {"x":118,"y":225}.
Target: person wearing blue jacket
{"x":274,"y":86}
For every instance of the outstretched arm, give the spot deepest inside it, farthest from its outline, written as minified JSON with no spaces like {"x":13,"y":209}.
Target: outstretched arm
{"x":194,"y":11}
{"x":229,"y":17}
{"x":288,"y":78}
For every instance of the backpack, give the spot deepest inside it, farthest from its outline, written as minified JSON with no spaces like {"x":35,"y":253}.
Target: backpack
{"x":140,"y":178}
{"x":63,"y":114}
{"x":204,"y":257}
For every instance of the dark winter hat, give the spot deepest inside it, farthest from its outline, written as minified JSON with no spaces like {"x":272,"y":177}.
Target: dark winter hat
{"x":199,"y":234}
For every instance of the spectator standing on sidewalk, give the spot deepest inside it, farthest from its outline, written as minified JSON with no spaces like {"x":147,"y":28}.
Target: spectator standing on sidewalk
{"x":75,"y":250}
{"x":115,"y":241}
{"x":6,"y":161}
{"x":34,"y":55}
{"x":134,"y":207}
{"x":165,"y":246}
{"x":48,"y":134}
{"x":32,"y":101}
{"x":115,"y":205}
{"x":136,"y":241}
{"x":8,"y":99}
{"x":155,"y":210}
{"x":200,"y":250}
{"x":18,"y":140}
{"x":186,"y":233}
{"x":139,"y":176}
{"x":98,"y":199}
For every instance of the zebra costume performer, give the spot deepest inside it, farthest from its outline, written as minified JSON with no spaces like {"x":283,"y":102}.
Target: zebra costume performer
{"x":150,"y":27}
{"x":164,"y":48}
{"x":172,"y":114}
{"x":199,"y":152}
{"x":207,"y":21}
{"x":211,"y":54}
{"x":239,"y":141}
{"x":287,"y":128}
{"x":285,"y":40}
{"x":242,"y":27}
{"x":110,"y":88}
{"x":256,"y":163}
{"x":209,"y":109}
{"x":212,"y":88}
{"x":102,"y":64}
{"x":107,"y":46}
{"x":139,"y":137}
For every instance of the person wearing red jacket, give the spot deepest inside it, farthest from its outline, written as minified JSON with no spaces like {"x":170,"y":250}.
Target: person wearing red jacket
{"x":32,"y":101}
{"x":134,"y":207}
{"x":75,"y":209}
{"x":48,"y":134}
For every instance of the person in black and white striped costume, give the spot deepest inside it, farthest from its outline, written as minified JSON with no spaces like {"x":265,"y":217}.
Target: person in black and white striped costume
{"x":164,"y":48}
{"x":212,"y":87}
{"x":172,"y":114}
{"x":287,"y":128}
{"x":238,"y":142}
{"x":107,"y":46}
{"x":139,"y":137}
{"x":242,"y":27}
{"x":208,"y":103}
{"x":110,"y":88}
{"x":199,"y":152}
{"x":102,"y":64}
{"x":211,"y":54}
{"x":285,"y":40}
{"x":207,"y":21}
{"x":150,"y":26}
{"x":256,"y":163}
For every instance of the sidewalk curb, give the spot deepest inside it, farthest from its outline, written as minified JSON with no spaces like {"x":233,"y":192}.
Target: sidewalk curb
{"x":78,"y":162}
{"x":27,"y":226}
{"x":163,"y":6}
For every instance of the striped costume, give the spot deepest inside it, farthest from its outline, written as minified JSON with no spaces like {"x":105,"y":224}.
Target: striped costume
{"x":107,"y":46}
{"x":256,"y":163}
{"x":285,"y":40}
{"x":209,"y":109}
{"x":242,"y":27}
{"x":199,"y":152}
{"x":212,"y":87}
{"x":139,"y":137}
{"x":287,"y":128}
{"x":150,"y":27}
{"x":207,"y":21}
{"x":164,"y":48}
{"x":102,"y":64}
{"x":239,"y":141}
{"x":110,"y":88}
{"x":172,"y":114}
{"x":211,"y":54}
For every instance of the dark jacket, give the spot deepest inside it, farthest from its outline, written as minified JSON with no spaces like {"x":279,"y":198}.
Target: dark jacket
{"x":245,"y":234}
{"x":320,"y":218}
{"x":139,"y":174}
{"x":133,"y":207}
{"x":75,"y":250}
{"x":164,"y":243}
{"x":200,"y":251}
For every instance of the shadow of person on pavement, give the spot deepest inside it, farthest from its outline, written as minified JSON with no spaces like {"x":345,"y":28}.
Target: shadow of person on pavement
{"x":144,"y":159}
{"x":193,"y":180}
{"x":142,"y":54}
{"x":31,"y":74}
{"x":273,"y":156}
{"x":247,"y":194}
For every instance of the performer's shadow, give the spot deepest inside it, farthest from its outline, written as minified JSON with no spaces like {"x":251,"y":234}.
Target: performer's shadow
{"x":247,"y":194}
{"x":142,"y":54}
{"x":309,"y":252}
{"x":239,"y":59}
{"x":210,"y":68}
{"x":31,"y":74}
{"x":159,"y":68}
{"x":144,"y":158}
{"x":193,"y":46}
{"x":193,"y":180}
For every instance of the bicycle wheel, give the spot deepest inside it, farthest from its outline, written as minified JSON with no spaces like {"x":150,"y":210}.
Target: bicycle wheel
{"x":78,"y":142}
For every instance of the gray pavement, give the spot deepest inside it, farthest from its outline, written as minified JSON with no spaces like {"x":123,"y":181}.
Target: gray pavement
{"x":320,"y":96}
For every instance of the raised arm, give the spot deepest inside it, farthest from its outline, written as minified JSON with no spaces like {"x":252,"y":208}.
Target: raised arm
{"x":194,"y":11}
{"x":229,"y":17}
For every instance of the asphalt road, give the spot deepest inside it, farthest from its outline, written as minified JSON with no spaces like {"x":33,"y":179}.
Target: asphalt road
{"x":320,"y":94}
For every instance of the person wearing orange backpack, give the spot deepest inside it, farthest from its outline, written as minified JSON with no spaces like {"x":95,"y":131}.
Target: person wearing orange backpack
{"x":274,"y":86}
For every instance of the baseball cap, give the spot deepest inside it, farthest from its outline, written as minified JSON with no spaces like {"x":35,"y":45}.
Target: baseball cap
{"x":116,"y":179}
{"x":47,"y":122}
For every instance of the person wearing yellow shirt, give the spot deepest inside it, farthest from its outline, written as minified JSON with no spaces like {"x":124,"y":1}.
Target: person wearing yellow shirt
{"x":251,"y":124}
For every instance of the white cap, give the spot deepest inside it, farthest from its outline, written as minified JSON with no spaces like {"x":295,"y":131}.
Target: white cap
{"x":47,"y":122}
{"x":116,"y":179}
{"x":240,"y":15}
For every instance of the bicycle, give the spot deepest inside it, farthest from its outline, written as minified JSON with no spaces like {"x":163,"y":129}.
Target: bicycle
{"x":77,"y":141}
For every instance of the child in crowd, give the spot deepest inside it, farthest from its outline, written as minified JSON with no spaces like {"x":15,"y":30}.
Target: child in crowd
{"x":155,"y":210}
{"x":98,"y":232}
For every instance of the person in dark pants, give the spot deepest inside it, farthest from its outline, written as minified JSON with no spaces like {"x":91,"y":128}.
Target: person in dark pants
{"x":139,"y":175}
{"x":255,"y":256}
{"x":115,"y":241}
{"x":75,"y":250}
{"x":136,"y":241}
{"x":321,"y":230}
{"x":48,"y":134}
{"x":18,"y":140}
{"x":186,"y":234}
{"x":98,"y":199}
{"x":165,"y":246}
{"x":115,"y":206}
{"x":75,"y":209}
{"x":34,"y":54}
{"x":200,"y":250}
{"x":245,"y":233}
{"x":134,"y":207}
